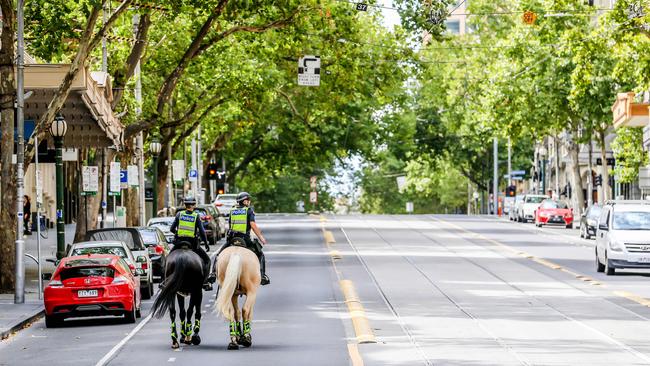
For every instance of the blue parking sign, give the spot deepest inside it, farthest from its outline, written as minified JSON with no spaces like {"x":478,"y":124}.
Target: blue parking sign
{"x":124,"y":177}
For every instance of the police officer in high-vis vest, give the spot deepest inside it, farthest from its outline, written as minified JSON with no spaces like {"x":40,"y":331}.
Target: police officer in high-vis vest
{"x":242,"y":220}
{"x":188,"y":227}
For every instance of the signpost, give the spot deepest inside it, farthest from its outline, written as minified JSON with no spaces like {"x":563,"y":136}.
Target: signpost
{"x":362,"y":7}
{"x":193,"y":175}
{"x":313,"y":197}
{"x":178,"y":169}
{"x":133,"y":176}
{"x":309,"y":71}
{"x":114,"y":179}
{"x":89,"y":180}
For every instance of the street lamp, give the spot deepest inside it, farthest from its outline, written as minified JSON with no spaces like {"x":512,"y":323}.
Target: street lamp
{"x":58,"y":129}
{"x":155,"y":148}
{"x":542,"y":153}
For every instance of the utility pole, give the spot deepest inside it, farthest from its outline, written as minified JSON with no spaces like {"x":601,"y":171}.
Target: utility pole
{"x":556,"y":142}
{"x":590,"y":177}
{"x":19,"y":295}
{"x":495,"y":177}
{"x":140,"y":137}
{"x":105,"y":12}
{"x":199,"y":168}
{"x":170,"y":179}
{"x":509,"y":162}
{"x":225,"y":175}
{"x":193,"y":182}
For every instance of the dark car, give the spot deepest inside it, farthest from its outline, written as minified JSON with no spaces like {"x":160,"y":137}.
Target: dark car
{"x":210,"y":223}
{"x":132,"y":238}
{"x":158,"y":248}
{"x":589,"y":222}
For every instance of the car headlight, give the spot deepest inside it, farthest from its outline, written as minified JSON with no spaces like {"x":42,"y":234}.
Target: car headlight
{"x":615,"y":246}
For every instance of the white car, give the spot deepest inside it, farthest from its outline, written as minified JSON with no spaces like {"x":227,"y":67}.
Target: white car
{"x":530,"y":203}
{"x":225,"y":202}
{"x":164,"y":224}
{"x":623,"y":236}
{"x":117,"y":248}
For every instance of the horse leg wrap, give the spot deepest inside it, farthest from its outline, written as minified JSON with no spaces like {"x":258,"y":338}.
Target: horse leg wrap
{"x":197,"y":326}
{"x":174,"y":333}
{"x":247,"y":327}
{"x":234,"y":329}
{"x":188,"y":329}
{"x":183,"y":334}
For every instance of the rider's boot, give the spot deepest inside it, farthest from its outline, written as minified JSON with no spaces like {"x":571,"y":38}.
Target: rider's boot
{"x":265,"y":278}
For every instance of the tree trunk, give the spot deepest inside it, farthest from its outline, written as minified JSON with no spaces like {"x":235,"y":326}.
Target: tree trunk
{"x":7,"y":177}
{"x":603,"y":170}
{"x":578,"y":196}
{"x":162,"y":178}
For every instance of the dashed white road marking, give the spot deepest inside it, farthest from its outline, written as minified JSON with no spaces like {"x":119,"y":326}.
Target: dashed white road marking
{"x":121,"y":344}
{"x":171,"y":359}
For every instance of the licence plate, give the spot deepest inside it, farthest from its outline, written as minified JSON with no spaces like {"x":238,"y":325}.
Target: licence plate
{"x":643,"y":260}
{"x":87,"y":293}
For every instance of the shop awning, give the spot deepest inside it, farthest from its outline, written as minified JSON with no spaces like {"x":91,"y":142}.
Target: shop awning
{"x":630,"y":113}
{"x":88,"y":112}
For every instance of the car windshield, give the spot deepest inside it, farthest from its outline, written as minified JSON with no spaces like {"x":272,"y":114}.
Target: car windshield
{"x":554,"y":204}
{"x":227,"y":197}
{"x":78,"y":272}
{"x":161,"y":224}
{"x":149,"y":236}
{"x":118,"y":251}
{"x":124,"y":236}
{"x":594,"y":212}
{"x":534,"y":199}
{"x":631,"y":220}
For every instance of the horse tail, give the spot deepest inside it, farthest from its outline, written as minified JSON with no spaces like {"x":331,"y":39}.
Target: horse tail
{"x":228,"y":287}
{"x":173,"y":283}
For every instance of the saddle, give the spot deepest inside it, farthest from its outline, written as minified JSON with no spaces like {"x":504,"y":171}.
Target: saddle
{"x":256,"y":247}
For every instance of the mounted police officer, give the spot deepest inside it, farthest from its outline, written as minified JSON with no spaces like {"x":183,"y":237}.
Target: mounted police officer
{"x":187,"y":227}
{"x":242,"y":220}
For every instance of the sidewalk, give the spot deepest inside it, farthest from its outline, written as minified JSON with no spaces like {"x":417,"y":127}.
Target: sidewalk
{"x":14,"y":317}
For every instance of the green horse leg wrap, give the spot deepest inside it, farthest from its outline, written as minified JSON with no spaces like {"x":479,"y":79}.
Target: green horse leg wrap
{"x":188,"y":329}
{"x":183,"y":329}
{"x":234,"y":329}
{"x":197,"y":325}
{"x":247,"y":327}
{"x":174,"y":334}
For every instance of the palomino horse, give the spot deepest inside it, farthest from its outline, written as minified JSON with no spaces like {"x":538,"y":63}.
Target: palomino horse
{"x":239,"y":274}
{"x":183,"y":276}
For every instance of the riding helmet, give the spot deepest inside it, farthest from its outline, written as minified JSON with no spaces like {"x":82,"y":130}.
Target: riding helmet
{"x":189,"y":200}
{"x":243,"y":196}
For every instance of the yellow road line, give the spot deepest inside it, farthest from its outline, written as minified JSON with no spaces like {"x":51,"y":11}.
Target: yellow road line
{"x":355,"y":356}
{"x":329,"y":237}
{"x":636,"y":298}
{"x":335,"y":254}
{"x":357,"y":313}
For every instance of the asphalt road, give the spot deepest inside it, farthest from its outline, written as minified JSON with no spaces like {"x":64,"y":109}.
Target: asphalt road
{"x":436,"y":290}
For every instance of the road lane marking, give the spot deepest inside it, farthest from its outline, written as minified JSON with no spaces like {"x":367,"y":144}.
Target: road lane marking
{"x":357,"y":313}
{"x":114,"y":350}
{"x":355,"y":356}
{"x":171,"y":359}
{"x":329,"y":237}
{"x":335,"y":254}
{"x":636,"y":298}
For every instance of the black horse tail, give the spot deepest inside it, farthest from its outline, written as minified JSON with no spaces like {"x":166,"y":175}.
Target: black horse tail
{"x":173,"y":283}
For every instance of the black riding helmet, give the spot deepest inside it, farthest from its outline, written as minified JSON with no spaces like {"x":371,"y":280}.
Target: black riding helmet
{"x":243,"y":196}
{"x":189,"y":201}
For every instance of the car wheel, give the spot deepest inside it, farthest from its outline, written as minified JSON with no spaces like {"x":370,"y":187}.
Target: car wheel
{"x":599,"y":266}
{"x":609,"y":270}
{"x":129,"y":316}
{"x":147,"y":291}
{"x":138,"y":313}
{"x":53,"y":321}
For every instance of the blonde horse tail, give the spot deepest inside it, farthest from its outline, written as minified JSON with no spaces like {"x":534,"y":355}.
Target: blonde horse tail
{"x":228,"y":287}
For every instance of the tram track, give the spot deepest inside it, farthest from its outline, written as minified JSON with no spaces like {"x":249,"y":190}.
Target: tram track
{"x":600,"y":334}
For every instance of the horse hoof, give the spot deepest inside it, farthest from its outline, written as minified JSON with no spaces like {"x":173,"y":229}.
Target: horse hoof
{"x":232,"y":346}
{"x":175,"y":345}
{"x":246,"y":341}
{"x":196,"y":340}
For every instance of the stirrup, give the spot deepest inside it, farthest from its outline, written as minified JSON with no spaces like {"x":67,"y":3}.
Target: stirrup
{"x":265,"y":280}
{"x":212,"y":278}
{"x":207,"y":286}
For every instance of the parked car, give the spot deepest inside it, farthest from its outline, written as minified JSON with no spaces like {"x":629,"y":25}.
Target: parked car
{"x":158,"y":249}
{"x":117,"y":248}
{"x":589,"y":222}
{"x":553,"y":212}
{"x":526,"y":211}
{"x":92,"y":285}
{"x":132,"y":238}
{"x":512,"y":211}
{"x":219,"y":218}
{"x":622,"y":239}
{"x":210,"y":224}
{"x":225,"y":202}
{"x":164,"y":224}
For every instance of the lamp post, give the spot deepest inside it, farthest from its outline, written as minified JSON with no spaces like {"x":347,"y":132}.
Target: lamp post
{"x":58,"y":129}
{"x":542,"y":154}
{"x":155,"y":148}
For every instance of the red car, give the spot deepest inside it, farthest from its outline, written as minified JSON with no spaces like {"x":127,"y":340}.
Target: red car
{"x":552,"y":212}
{"x":92,"y":285}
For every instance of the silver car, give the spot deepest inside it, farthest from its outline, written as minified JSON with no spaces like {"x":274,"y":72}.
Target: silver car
{"x":164,"y":224}
{"x":225,"y":202}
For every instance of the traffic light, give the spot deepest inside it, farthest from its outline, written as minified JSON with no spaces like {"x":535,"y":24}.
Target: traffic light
{"x":511,"y":191}
{"x":598,"y":180}
{"x":221,"y":189}
{"x":211,"y":174}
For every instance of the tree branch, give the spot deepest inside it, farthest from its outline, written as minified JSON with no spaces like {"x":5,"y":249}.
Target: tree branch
{"x":292,"y":105}
{"x":123,"y":76}
{"x":109,"y":23}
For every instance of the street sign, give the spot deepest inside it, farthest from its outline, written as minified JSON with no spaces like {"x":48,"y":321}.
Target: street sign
{"x":309,"y":71}
{"x":518,"y":172}
{"x":90,"y":179}
{"x":39,"y":188}
{"x":133,"y":176}
{"x":362,"y":7}
{"x":114,"y":180}
{"x":517,"y":178}
{"x":529,"y":17}
{"x":313,"y":197}
{"x":124,"y":179}
{"x":193,"y":174}
{"x":409,"y":207}
{"x":313,"y":181}
{"x":178,"y":170}
{"x":401,"y":183}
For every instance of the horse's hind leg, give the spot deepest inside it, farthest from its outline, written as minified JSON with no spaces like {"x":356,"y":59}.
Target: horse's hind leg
{"x":186,"y":327}
{"x":247,"y":339}
{"x":235,"y":326}
{"x":172,"y":315}
{"x":196,"y":300}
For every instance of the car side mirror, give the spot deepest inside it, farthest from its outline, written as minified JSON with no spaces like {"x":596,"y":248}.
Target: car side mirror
{"x":52,"y":260}
{"x":141,"y":259}
{"x":603,"y":227}
{"x":46,"y":276}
